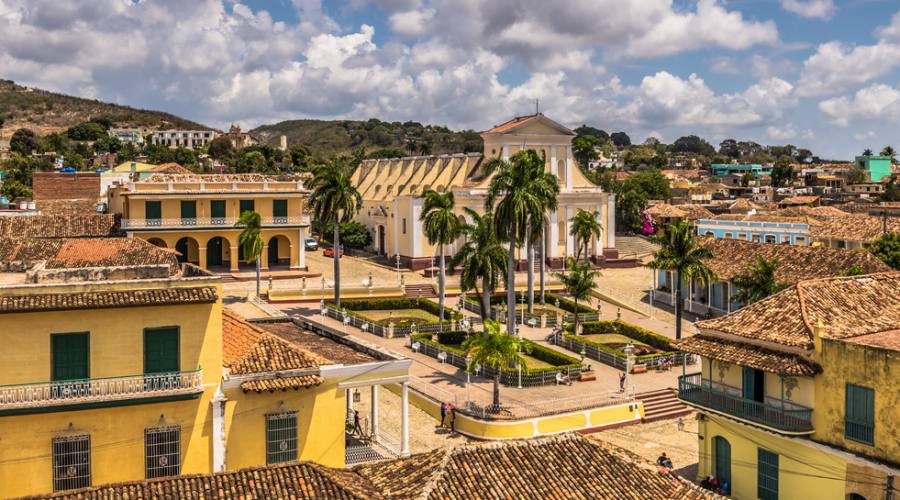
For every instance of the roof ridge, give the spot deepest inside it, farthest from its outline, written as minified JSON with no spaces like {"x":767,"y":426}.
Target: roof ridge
{"x":437,"y":474}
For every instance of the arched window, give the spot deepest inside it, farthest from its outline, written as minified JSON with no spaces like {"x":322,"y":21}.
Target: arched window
{"x":561,"y":170}
{"x":722,"y":457}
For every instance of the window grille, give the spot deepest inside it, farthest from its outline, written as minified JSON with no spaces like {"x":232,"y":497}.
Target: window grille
{"x":162,"y":451}
{"x":281,"y":437}
{"x":767,"y":475}
{"x":859,"y":417}
{"x":71,"y":462}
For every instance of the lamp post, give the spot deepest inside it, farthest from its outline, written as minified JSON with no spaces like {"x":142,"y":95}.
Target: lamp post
{"x":468,"y":379}
{"x":520,"y":370}
{"x":323,"y":288}
{"x":399,"y":276}
{"x":629,"y":362}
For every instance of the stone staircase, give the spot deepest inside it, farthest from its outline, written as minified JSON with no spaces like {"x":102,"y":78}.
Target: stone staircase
{"x":419,"y":292}
{"x":662,"y":404}
{"x":634,"y":246}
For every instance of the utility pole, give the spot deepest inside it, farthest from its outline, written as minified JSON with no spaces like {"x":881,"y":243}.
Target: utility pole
{"x":889,"y":491}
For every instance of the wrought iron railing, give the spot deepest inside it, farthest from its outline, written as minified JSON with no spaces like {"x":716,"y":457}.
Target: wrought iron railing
{"x":208,"y":222}
{"x":89,"y":390}
{"x":785,"y":416}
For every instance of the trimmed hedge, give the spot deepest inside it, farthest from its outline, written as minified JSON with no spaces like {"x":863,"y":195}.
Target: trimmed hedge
{"x":395,"y":304}
{"x":551,"y":298}
{"x":545,"y":354}
{"x":451,"y":338}
{"x":635,"y":332}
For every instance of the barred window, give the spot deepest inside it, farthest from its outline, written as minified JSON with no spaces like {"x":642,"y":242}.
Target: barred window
{"x":281,"y":437}
{"x":162,"y":451}
{"x":71,"y":462}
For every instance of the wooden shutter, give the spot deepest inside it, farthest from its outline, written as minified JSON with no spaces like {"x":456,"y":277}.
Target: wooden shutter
{"x":69,"y":356}
{"x":161,"y":350}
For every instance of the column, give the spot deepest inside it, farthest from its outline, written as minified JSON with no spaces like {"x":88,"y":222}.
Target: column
{"x":505,"y":153}
{"x":570,"y":241}
{"x":374,"y":416}
{"x":570,"y":164}
{"x":553,"y":169}
{"x":611,"y":221}
{"x":218,"y":429}
{"x":404,"y":424}
{"x":264,"y":259}
{"x":553,"y":247}
{"x":202,"y":257}
{"x":598,"y":245}
{"x":235,"y":263}
{"x":301,"y":253}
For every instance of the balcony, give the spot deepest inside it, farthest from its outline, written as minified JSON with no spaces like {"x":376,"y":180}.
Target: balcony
{"x":209,"y":222}
{"x":783,"y":416}
{"x":96,"y":392}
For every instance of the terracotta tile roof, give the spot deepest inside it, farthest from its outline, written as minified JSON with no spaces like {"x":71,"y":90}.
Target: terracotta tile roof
{"x":854,"y":227}
{"x":743,"y":205}
{"x":691,"y":212}
{"x":86,"y":206}
{"x":749,"y":355}
{"x":303,"y":480}
{"x":169,"y":168}
{"x":106,"y":299}
{"x":70,"y":253}
{"x":521,"y":120}
{"x":847,"y":307}
{"x":816,"y":212}
{"x":768,"y":217}
{"x":799,"y":200}
{"x":331,"y":350}
{"x":60,"y":226}
{"x":565,"y":466}
{"x":795,"y":262}
{"x":889,"y":340}
{"x":248,"y":350}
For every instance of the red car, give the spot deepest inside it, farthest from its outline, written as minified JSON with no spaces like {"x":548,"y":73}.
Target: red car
{"x":329,"y":252}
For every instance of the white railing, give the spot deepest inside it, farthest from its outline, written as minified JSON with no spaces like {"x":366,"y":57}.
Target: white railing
{"x":227,"y":222}
{"x":99,"y":389}
{"x":520,"y":410}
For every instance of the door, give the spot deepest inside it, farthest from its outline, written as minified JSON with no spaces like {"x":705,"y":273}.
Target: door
{"x":280,"y":211}
{"x":153,"y":212}
{"x":181,"y":246}
{"x":273,"y":251}
{"x":214,"y":252}
{"x":723,"y":462}
{"x":217,"y":211}
{"x":69,"y":359}
{"x":754,"y":390}
{"x":188,"y":213}
{"x":246,"y":206}
{"x":381,"y":249}
{"x":160,"y":358}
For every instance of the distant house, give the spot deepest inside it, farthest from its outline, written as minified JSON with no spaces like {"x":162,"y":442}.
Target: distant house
{"x":853,"y":230}
{"x":810,"y":201}
{"x":723,"y":169}
{"x":758,"y":228}
{"x":665,"y":214}
{"x":132,"y":135}
{"x":194,"y":139}
{"x":878,"y":167}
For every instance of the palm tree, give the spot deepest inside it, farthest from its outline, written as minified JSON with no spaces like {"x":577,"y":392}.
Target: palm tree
{"x":482,"y":257}
{"x":889,"y":151}
{"x":441,"y":228}
{"x":867,"y":152}
{"x":681,"y":253}
{"x":495,"y":349}
{"x":579,"y":282}
{"x":335,"y":200}
{"x":524,"y":192}
{"x":758,"y":282}
{"x":584,"y":226}
{"x":250,"y":240}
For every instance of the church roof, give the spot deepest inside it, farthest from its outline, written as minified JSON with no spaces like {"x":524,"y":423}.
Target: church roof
{"x":509,"y":126}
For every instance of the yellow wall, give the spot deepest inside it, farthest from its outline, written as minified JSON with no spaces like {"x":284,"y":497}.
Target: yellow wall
{"x":320,"y":424}
{"x":171,"y":205}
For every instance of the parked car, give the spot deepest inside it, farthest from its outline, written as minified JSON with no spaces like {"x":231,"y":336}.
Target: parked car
{"x":329,"y":252}
{"x":311,"y":244}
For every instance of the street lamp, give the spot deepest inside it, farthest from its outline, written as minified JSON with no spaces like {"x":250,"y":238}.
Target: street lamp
{"x":399,"y":276}
{"x":468,"y":379}
{"x":629,"y":362}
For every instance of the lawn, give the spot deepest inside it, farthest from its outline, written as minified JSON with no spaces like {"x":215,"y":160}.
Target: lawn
{"x":400,"y":317}
{"x":530,"y":362}
{"x":617,"y":341}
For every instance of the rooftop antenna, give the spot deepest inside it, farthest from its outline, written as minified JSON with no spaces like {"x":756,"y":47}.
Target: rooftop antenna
{"x":537,"y":106}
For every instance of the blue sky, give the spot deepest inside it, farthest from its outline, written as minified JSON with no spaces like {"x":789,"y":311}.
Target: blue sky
{"x":821,"y":74}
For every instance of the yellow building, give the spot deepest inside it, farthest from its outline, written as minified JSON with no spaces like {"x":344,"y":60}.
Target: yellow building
{"x":797,"y":395}
{"x":196,"y":214}
{"x":392,"y":192}
{"x":119,"y":364}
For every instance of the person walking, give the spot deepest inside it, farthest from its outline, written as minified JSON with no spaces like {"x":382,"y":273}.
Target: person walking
{"x":452,"y":419}
{"x":356,"y":427}
{"x":443,"y":413}
{"x":622,"y":382}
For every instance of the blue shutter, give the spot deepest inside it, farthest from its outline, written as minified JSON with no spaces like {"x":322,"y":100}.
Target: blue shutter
{"x":859,"y":414}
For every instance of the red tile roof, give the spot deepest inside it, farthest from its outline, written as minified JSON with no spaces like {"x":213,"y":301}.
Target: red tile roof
{"x":106,"y":299}
{"x":744,"y":354}
{"x":60,"y":226}
{"x":70,"y":253}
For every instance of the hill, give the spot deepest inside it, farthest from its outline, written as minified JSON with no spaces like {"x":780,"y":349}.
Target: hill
{"x":373,"y":134}
{"x":47,"y":112}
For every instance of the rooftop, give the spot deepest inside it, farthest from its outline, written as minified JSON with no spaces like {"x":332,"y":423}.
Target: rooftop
{"x":748,"y":355}
{"x":692,"y":212}
{"x":799,"y":200}
{"x":60,"y":226}
{"x":67,"y":301}
{"x":854,"y":227}
{"x":211,"y":178}
{"x":323,"y":347}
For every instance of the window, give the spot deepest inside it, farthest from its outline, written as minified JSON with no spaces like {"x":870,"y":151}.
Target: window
{"x":247,"y":206}
{"x":708,"y":233}
{"x":153,"y":212}
{"x":281,"y":437}
{"x":561,"y":170}
{"x":723,"y":462}
{"x":742,"y":236}
{"x":217,"y":209}
{"x":162,"y":451}
{"x":770,"y":238}
{"x":754,"y":238}
{"x":404,"y":225}
{"x":161,"y":350}
{"x":799,"y":240}
{"x":280,"y":209}
{"x":728,"y":236}
{"x":785,"y":239}
{"x":767,"y":475}
{"x":71,"y":462}
{"x":188,"y":211}
{"x":859,"y":418}
{"x":69,"y":356}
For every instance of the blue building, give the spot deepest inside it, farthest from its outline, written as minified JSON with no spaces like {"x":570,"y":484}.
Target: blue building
{"x":756,"y":228}
{"x":723,"y":169}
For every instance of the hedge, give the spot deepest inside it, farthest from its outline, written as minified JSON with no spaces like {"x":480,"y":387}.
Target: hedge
{"x":395,"y":304}
{"x":551,"y":298}
{"x":545,"y":354}
{"x":626,"y":329}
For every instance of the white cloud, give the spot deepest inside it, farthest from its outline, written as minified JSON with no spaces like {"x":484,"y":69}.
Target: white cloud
{"x":411,"y":23}
{"x":785,"y":133}
{"x":878,"y":102}
{"x":821,"y":9}
{"x":861,"y":136}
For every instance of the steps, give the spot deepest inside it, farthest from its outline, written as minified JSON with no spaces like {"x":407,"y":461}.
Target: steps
{"x":419,"y":292}
{"x":662,"y":404}
{"x":635,"y":246}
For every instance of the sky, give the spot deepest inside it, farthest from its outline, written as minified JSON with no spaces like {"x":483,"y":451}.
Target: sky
{"x":821,"y":74}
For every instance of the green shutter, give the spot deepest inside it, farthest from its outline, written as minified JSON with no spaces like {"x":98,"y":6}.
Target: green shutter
{"x":69,"y":356}
{"x":161,"y":350}
{"x":767,"y":475}
{"x":153,"y":210}
{"x":247,"y":206}
{"x":217,"y":209}
{"x":188,"y":209}
{"x":859,"y":415}
{"x":723,"y":461}
{"x":279,"y":208}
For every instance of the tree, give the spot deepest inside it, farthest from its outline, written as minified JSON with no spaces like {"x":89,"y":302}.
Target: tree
{"x":107,"y":144}
{"x":583,"y":150}
{"x":495,"y":349}
{"x":891,"y":191}
{"x":782,"y":173}
{"x":867,"y":152}
{"x":692,"y":144}
{"x":856,"y":175}
{"x":441,"y":227}
{"x":220,"y":148}
{"x":729,"y":148}
{"x":601,"y":135}
{"x":252,"y":162}
{"x":387,"y":153}
{"x":758,"y":281}
{"x":630,"y":202}
{"x":680,"y":253}
{"x":579,"y":281}
{"x":747,"y":178}
{"x":481,"y":257}
{"x":583,"y":227}
{"x":334,"y":200}
{"x":86,"y":131}
{"x":250,"y":240}
{"x":353,"y":234}
{"x":889,"y":151}
{"x":620,"y":139}
{"x":523,"y":192}
{"x":23,"y":141}
{"x":887,"y":248}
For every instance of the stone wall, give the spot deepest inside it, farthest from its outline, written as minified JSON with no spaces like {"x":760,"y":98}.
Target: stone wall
{"x":70,"y":186}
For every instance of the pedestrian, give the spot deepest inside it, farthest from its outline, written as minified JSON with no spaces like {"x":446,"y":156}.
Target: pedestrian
{"x":443,"y":413}
{"x":356,"y":427}
{"x":452,"y":419}
{"x":622,"y":382}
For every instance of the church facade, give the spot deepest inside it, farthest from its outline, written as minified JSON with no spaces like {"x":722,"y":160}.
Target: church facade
{"x":392,"y":192}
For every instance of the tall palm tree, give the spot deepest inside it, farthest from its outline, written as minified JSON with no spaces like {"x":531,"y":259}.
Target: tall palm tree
{"x":441,"y":228}
{"x":579,"y":281}
{"x":523,"y":192}
{"x":758,"y":281}
{"x":889,"y":151}
{"x":495,"y":349}
{"x":335,"y":200}
{"x":681,"y":253}
{"x":482,"y":257}
{"x":250,"y":240}
{"x":584,"y":226}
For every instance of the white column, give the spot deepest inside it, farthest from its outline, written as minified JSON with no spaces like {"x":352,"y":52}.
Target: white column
{"x":505,"y":153}
{"x":301,"y":261}
{"x":611,"y":221}
{"x":570,"y":241}
{"x":349,"y":396}
{"x":727,"y":297}
{"x":570,"y":166}
{"x":218,"y":429}
{"x":374,"y":416}
{"x":552,"y":248}
{"x":404,"y":420}
{"x":553,"y":169}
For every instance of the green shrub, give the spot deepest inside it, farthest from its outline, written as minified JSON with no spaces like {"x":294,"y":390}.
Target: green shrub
{"x":551,"y":298}
{"x":395,"y":304}
{"x":451,"y":338}
{"x":631,"y":331}
{"x":545,"y":354}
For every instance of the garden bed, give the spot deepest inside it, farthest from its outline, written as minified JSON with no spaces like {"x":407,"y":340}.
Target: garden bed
{"x":555,"y":306}
{"x":605,"y":341}
{"x":547,"y":363}
{"x":407,"y":315}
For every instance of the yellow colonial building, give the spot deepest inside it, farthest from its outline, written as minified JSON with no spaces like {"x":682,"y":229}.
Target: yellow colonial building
{"x":392,"y":192}
{"x":119,"y":364}
{"x":797,"y":396}
{"x":196,"y":214}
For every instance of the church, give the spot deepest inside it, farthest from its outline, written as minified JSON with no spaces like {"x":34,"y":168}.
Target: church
{"x":392,"y":192}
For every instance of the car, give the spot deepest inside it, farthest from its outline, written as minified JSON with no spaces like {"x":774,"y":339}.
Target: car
{"x":329,"y":252}
{"x":311,"y":244}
